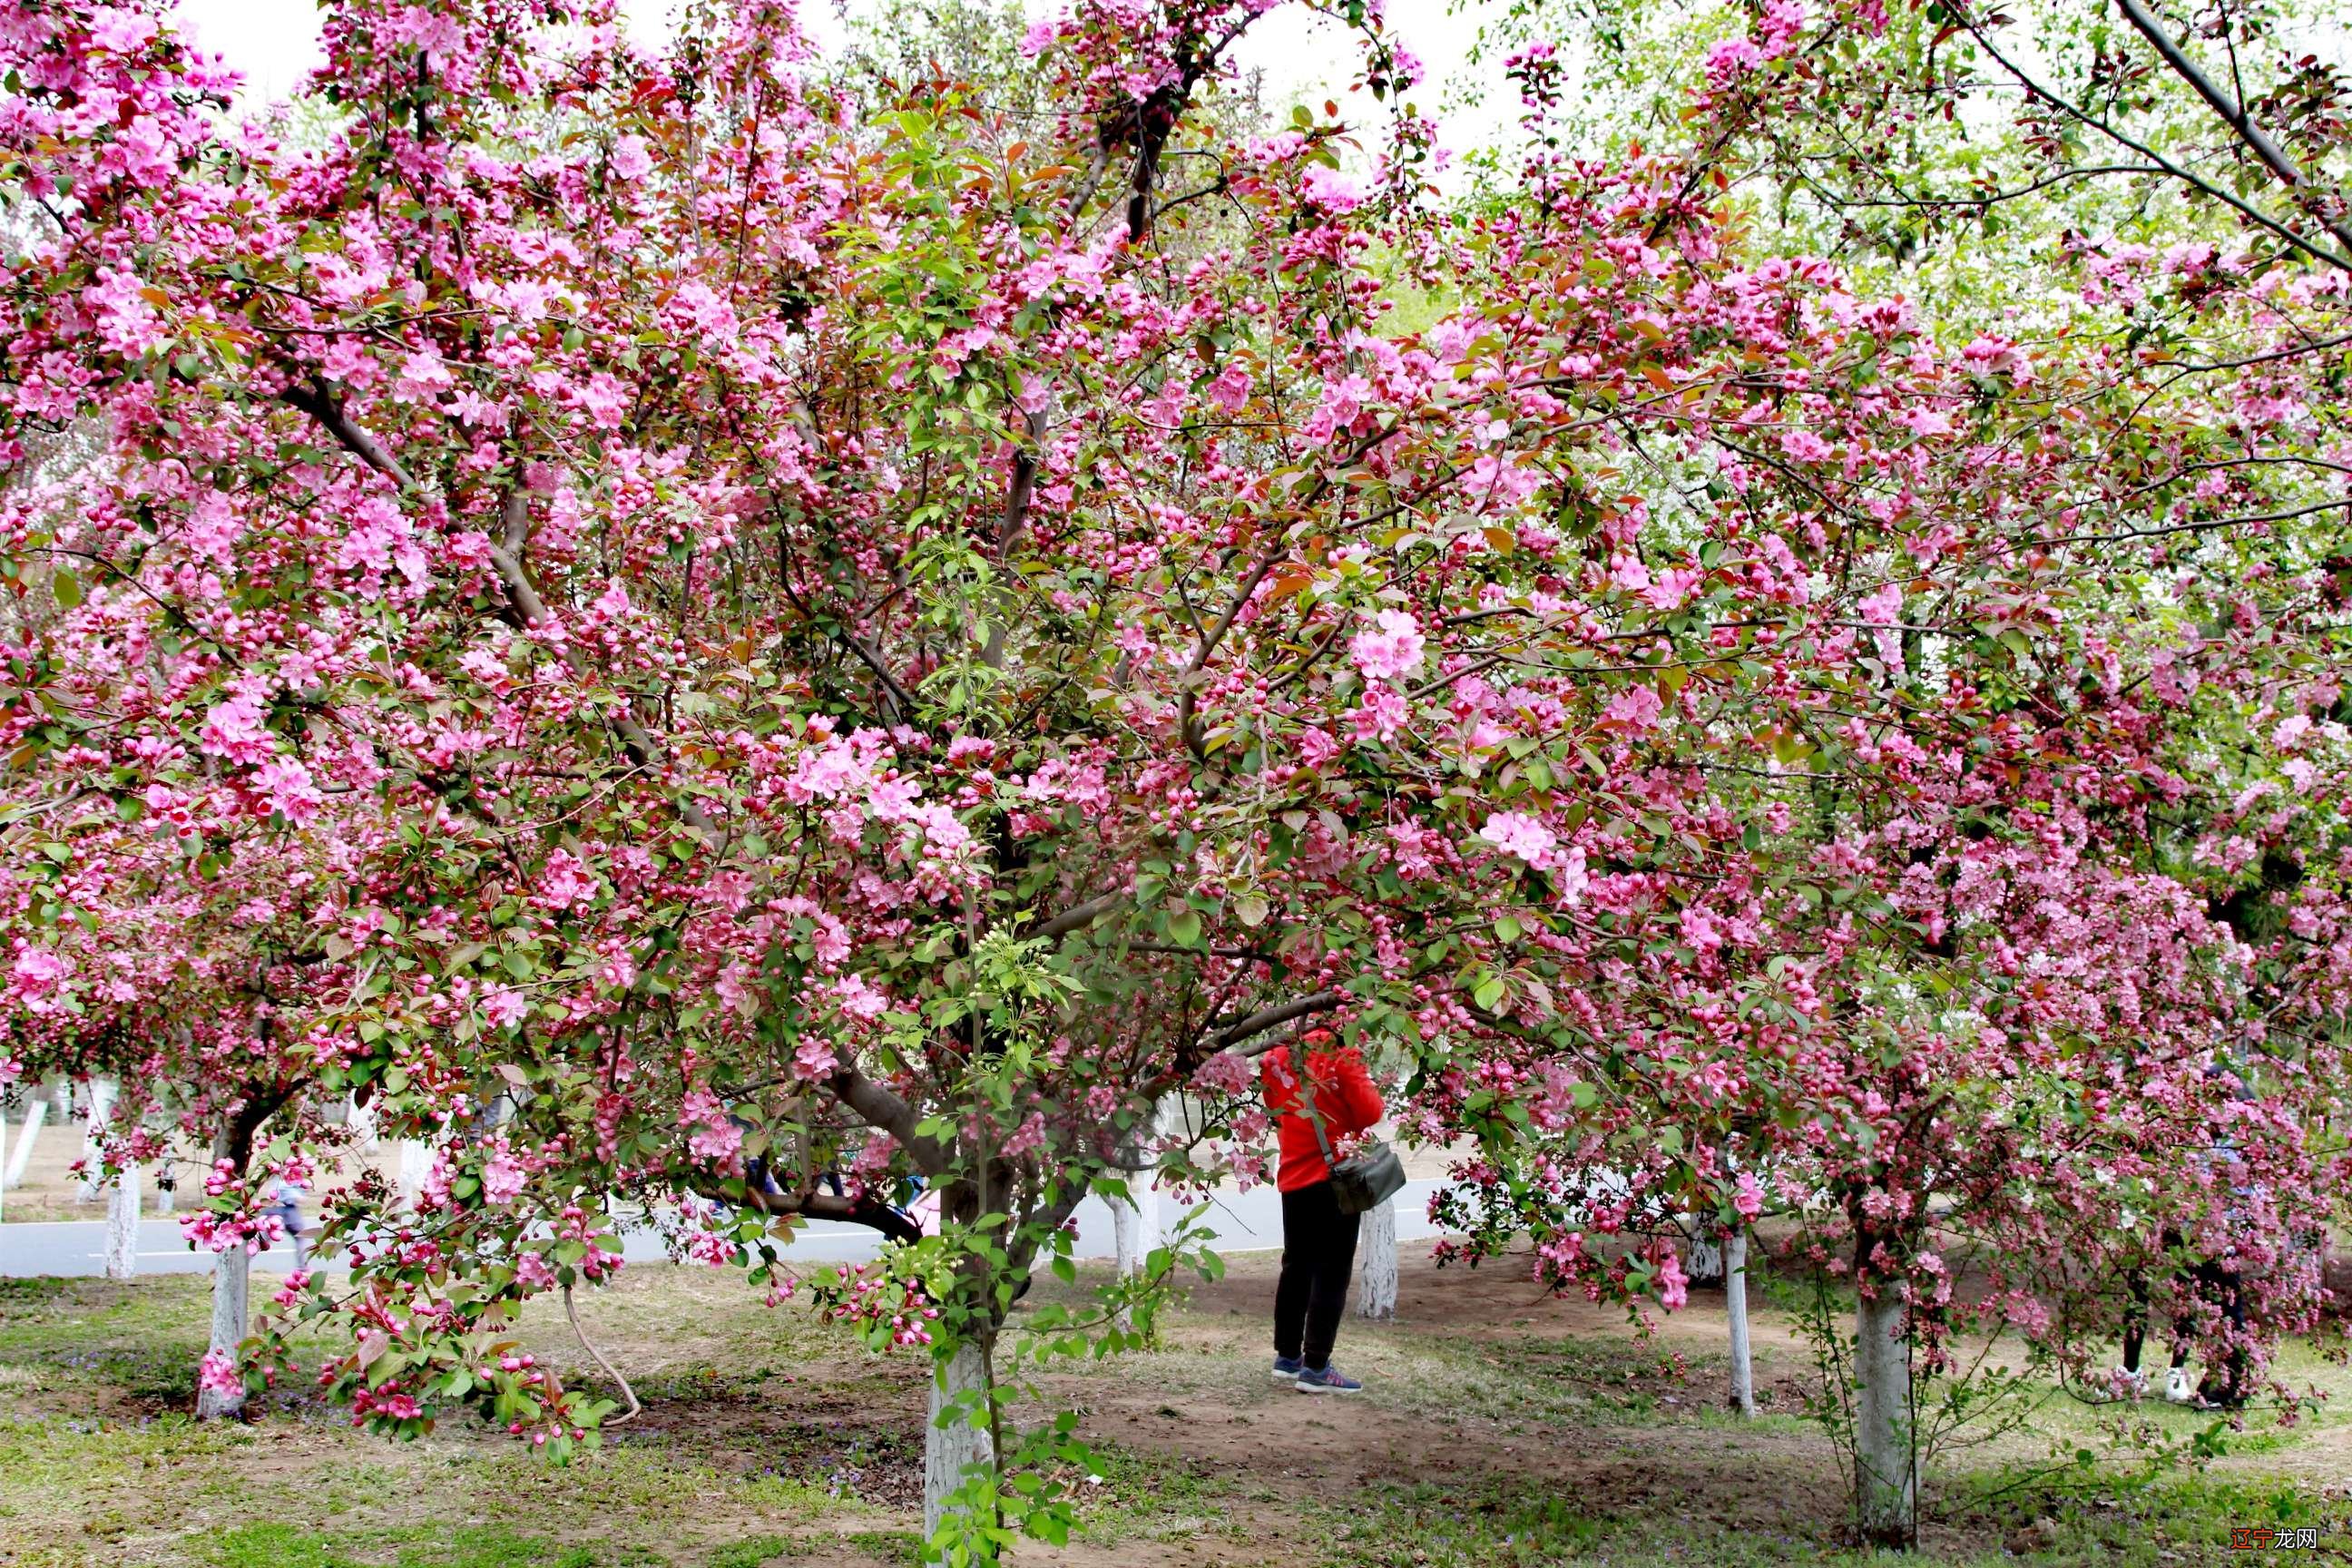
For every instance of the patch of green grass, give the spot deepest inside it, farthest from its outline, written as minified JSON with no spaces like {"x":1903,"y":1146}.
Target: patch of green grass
{"x":2084,"y":1517}
{"x":1154,"y":1497}
{"x":898,"y":1546}
{"x":271,"y":1545}
{"x":276,"y":1545}
{"x":756,"y":1553}
{"x":1502,"y":1525}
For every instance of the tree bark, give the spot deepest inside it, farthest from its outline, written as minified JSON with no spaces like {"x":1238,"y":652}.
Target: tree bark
{"x":232,"y":1269}
{"x":37,"y":1111}
{"x":1376,"y":1293}
{"x":122,"y":1224}
{"x":1735,"y":1307}
{"x":1886,"y":1488}
{"x":950,"y":1452}
{"x":232,"y":1282}
{"x":101,"y":1106}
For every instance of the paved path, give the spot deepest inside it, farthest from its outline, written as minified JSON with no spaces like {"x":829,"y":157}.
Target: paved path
{"x":1243,"y":1222}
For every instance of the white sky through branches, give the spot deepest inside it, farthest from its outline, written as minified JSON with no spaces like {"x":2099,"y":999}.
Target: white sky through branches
{"x":1305,"y":57}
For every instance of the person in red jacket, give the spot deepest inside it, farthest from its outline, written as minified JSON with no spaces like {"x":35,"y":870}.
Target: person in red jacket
{"x":1319,"y":1242}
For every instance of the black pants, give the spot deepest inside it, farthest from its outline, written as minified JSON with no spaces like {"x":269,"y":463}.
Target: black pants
{"x":2213,"y":1281}
{"x":1318,"y":1254}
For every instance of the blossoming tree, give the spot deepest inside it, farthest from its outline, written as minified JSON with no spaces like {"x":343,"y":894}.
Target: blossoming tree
{"x":833,"y":647}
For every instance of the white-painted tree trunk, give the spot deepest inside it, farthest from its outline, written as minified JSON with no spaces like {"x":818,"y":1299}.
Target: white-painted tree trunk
{"x":1375,"y":1255}
{"x":101,"y":1107}
{"x":1703,"y":1260}
{"x":37,"y":1111}
{"x":232,"y":1282}
{"x":1735,"y":1307}
{"x":415,"y":1164}
{"x":61,"y":1098}
{"x":1885,"y":1481}
{"x":360,"y":1119}
{"x":1135,"y":1226}
{"x":122,"y":1224}
{"x":950,"y":1451}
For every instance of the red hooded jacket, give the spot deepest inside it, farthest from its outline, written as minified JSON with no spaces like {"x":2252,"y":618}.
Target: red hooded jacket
{"x":1344,"y":1096}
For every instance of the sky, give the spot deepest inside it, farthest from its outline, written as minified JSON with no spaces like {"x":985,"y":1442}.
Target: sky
{"x":1304,"y":56}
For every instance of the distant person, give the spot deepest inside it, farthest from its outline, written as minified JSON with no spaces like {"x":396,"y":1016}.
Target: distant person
{"x":1319,"y":1242}
{"x":2214,"y":1281}
{"x":286,"y":1204}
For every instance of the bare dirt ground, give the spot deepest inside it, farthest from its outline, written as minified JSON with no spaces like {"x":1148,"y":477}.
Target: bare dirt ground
{"x":1500,"y":1428}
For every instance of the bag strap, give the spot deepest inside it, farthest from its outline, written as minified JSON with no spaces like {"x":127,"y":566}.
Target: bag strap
{"x":1304,"y":1082}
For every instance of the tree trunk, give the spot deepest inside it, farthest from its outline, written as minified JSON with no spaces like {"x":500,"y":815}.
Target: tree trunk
{"x":1376,"y":1293}
{"x":101,"y":1106}
{"x":1735,"y":1307}
{"x":1886,"y":1474}
{"x":1134,"y":1228}
{"x":37,"y":1111}
{"x":122,"y":1224}
{"x":232,"y":1279}
{"x":1703,"y":1259}
{"x":415,"y":1164}
{"x":950,"y":1451}
{"x":360,"y":1119}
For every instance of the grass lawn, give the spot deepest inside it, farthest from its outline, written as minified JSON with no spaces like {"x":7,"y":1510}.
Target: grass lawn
{"x":1500,"y":1429}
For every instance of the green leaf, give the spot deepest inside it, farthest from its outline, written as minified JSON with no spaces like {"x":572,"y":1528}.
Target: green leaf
{"x":66,"y":588}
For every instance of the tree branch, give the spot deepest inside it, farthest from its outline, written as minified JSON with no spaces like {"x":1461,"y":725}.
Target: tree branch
{"x":1079,"y":915}
{"x":2232,"y":114}
{"x":1258,"y":1023}
{"x":2243,"y":209}
{"x":313,"y":400}
{"x":882,"y":1109}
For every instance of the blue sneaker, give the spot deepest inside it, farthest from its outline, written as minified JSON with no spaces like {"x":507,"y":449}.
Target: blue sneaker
{"x":1327,"y":1380}
{"x":1287,"y":1368}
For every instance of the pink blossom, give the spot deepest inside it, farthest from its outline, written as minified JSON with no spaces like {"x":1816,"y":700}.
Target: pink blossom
{"x":218,"y":1373}
{"x":815,"y":1059}
{"x":39,"y":980}
{"x":1329,"y":189}
{"x":233,"y":729}
{"x":1225,"y":1073}
{"x":1674,"y":1284}
{"x":1748,"y":1196}
{"x":1804,"y":446}
{"x":631,"y":159}
{"x":1635,"y":708}
{"x":1515,"y":833}
{"x":1730,"y":59}
{"x":505,"y":1006}
{"x":1382,"y":715}
{"x":286,"y":787}
{"x":1392,"y":651}
{"x":1231,"y":390}
{"x":503,"y":1178}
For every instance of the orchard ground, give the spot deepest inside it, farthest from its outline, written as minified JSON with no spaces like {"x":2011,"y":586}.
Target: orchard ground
{"x":1499,"y":1428}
